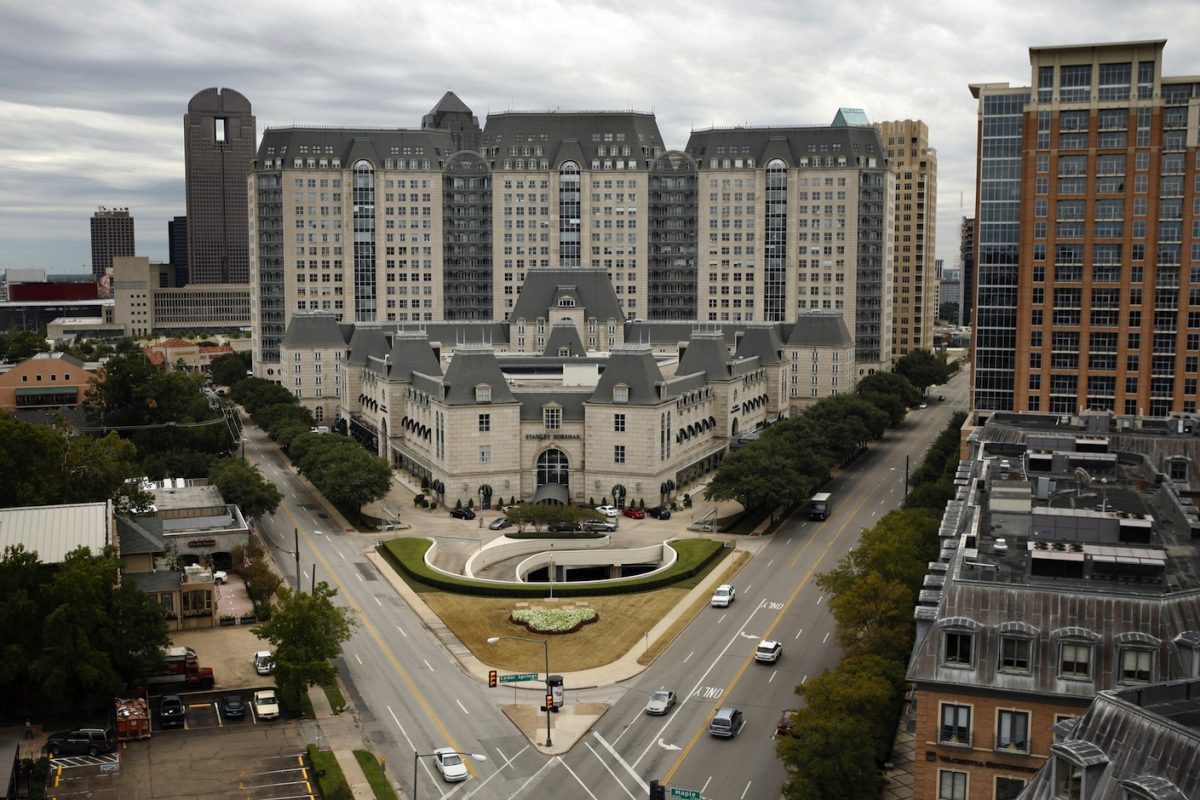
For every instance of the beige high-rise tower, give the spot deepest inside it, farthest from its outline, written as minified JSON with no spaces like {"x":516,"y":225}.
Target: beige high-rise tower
{"x":906,"y":143}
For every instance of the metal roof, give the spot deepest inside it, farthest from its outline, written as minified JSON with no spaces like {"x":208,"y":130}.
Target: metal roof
{"x":54,"y":531}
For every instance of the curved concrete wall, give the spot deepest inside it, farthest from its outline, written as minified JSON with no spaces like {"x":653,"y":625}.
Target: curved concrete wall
{"x":590,"y":558}
{"x":504,"y":548}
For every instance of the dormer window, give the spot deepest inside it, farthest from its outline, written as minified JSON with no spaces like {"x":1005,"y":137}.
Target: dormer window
{"x":1075,"y":660}
{"x":620,"y":393}
{"x":959,"y":649}
{"x":483,"y":393}
{"x":552,"y":417}
{"x":566,"y":302}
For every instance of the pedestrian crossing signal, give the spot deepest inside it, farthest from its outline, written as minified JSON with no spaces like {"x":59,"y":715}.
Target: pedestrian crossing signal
{"x":492,"y":678}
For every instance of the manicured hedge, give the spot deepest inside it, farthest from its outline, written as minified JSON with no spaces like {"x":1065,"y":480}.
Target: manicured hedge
{"x":408,"y":557}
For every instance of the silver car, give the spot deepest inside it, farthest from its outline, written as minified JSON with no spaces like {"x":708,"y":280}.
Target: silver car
{"x":660,"y":702}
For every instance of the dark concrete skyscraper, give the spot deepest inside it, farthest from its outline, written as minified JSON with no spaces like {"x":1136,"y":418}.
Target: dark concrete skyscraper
{"x":112,"y":237}
{"x":219,"y":140}
{"x":455,"y":117}
{"x":177,"y":247}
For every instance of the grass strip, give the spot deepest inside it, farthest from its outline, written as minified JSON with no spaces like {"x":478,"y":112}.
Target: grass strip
{"x":375,"y":775}
{"x":329,"y":775}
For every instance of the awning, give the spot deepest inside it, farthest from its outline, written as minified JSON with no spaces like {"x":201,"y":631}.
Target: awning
{"x":552,"y":493}
{"x":25,"y":391}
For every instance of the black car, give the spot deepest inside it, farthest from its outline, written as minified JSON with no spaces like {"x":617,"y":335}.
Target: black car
{"x":233,"y":706}
{"x":462,"y":513}
{"x":563,"y":527}
{"x":171,"y":711}
{"x":89,"y":741}
{"x":659,"y":512}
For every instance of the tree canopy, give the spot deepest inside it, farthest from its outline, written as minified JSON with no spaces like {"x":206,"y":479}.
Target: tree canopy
{"x":307,"y":631}
{"x":923,"y":369}
{"x":243,"y":484}
{"x":228,"y":369}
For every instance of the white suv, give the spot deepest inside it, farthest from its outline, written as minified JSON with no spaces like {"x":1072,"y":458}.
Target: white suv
{"x":768,"y":652}
{"x":723,"y":596}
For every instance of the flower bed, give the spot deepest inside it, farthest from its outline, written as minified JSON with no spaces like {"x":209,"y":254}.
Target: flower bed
{"x":553,"y":620}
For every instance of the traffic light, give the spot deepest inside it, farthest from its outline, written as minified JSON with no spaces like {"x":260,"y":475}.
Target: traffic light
{"x":549,"y":701}
{"x":492,"y":678}
{"x":657,"y":791}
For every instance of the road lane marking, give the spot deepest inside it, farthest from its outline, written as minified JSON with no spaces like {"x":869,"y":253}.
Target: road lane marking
{"x":826,"y":639}
{"x":608,"y":769}
{"x":799,"y":632}
{"x":431,"y":669}
{"x":359,"y":660}
{"x":460,"y":705}
{"x":378,"y":602}
{"x":689,"y":656}
{"x":746,"y":789}
{"x":644,"y":786}
{"x":504,"y":762}
{"x":531,"y":778}
{"x":771,"y":679}
{"x":576,"y":777}
{"x":402,"y":633}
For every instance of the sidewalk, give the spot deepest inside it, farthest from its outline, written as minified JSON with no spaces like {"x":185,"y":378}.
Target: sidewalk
{"x":342,"y":738}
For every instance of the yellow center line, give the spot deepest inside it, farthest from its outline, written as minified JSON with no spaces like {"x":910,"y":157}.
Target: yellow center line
{"x":683,"y":754}
{"x":374,"y":632}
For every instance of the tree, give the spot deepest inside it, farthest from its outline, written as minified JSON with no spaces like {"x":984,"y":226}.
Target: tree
{"x":228,"y":369}
{"x":898,"y":547}
{"x":21,"y":579}
{"x":20,"y":345}
{"x":244,"y":485}
{"x":874,"y":615}
{"x":759,"y":476}
{"x":923,"y":369}
{"x":352,"y":478}
{"x":948,"y":312}
{"x":307,"y":631}
{"x":828,"y":758}
{"x":863,"y":688}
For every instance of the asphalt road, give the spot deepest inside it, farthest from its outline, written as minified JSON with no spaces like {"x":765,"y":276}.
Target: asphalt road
{"x":412,"y":695}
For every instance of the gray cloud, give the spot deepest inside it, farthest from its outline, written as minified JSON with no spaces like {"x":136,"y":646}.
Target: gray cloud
{"x":91,"y":106}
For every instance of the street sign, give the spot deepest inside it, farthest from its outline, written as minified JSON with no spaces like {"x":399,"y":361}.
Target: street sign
{"x":523,"y":676}
{"x":685,"y":794}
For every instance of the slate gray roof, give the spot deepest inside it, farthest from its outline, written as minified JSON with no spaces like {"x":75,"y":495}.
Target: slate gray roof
{"x":1148,"y":737}
{"x":140,"y":534}
{"x":164,"y":580}
{"x":706,"y":353}
{"x":571,"y":401}
{"x":788,"y":143}
{"x":635,"y":367}
{"x":352,"y":144}
{"x":450,"y":103}
{"x":314,"y":329}
{"x":590,"y":289}
{"x":761,"y":341}
{"x":564,"y":335}
{"x":456,"y":333}
{"x":672,"y":333}
{"x":819,"y":329}
{"x":367,"y":341}
{"x":411,"y":352}
{"x":471,"y":366}
{"x":568,"y":135}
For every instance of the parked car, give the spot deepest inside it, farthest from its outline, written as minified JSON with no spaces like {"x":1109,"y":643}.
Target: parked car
{"x":266,"y":704}
{"x":609,"y":511}
{"x":81,"y":741}
{"x":220,"y":576}
{"x":462,"y":513}
{"x":562,"y":527}
{"x":602,"y":525}
{"x":786,"y":719}
{"x":634,"y":513}
{"x":723,"y":596}
{"x":659,"y":512}
{"x":233,"y":706}
{"x":499,"y":524}
{"x":450,"y":764}
{"x":660,"y":702}
{"x":941,"y":397}
{"x":171,"y":711}
{"x":264,"y":662}
{"x":768,"y":652}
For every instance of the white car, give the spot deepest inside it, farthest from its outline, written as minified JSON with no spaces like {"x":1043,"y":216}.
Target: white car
{"x":723,"y":596}
{"x":220,"y":576}
{"x":264,"y":662}
{"x":768,"y":652}
{"x":609,"y":511}
{"x":266,"y":705}
{"x":450,"y":764}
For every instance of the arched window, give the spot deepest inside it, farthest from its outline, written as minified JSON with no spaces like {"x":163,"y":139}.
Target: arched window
{"x":553,"y":466}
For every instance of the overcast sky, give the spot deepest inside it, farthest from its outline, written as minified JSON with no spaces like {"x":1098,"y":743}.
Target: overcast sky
{"x":93,"y":95}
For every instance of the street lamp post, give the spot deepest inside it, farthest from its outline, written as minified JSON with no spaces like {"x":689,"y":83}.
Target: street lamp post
{"x":417,"y":760}
{"x":546,"y":644}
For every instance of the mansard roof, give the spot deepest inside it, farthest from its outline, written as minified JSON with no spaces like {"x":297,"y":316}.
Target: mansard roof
{"x":819,"y":329}
{"x":761,"y":341}
{"x":570,"y":400}
{"x":472,"y":366}
{"x":564,"y":335}
{"x":587,"y":288}
{"x":706,"y":353}
{"x":634,"y":367}
{"x":411,"y":352}
{"x":314,"y":329}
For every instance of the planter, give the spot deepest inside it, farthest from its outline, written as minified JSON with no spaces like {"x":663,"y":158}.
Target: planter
{"x":227,"y":621}
{"x":248,"y":619}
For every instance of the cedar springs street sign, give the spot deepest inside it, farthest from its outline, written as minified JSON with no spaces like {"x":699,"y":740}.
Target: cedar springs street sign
{"x":523,"y":676}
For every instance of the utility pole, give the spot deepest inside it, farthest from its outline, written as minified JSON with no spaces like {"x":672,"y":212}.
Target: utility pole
{"x":299,"y":585}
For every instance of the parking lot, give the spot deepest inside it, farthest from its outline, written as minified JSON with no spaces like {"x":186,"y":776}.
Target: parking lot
{"x":211,"y":756}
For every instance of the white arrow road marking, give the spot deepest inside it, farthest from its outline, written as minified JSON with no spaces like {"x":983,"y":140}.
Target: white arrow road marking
{"x":666,"y":746}
{"x":745,"y":635}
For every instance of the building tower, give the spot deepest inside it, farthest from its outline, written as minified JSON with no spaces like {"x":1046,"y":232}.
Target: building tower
{"x":966,"y":253}
{"x":218,"y":142}
{"x":112,"y":237}
{"x":177,"y":249}
{"x":915,"y":281}
{"x":455,"y":117}
{"x":1093,"y":310}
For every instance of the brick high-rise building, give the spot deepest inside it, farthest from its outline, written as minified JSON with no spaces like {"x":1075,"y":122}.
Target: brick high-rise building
{"x":1088,"y":266}
{"x":218,"y":145}
{"x":112,"y":237}
{"x":915,"y":279}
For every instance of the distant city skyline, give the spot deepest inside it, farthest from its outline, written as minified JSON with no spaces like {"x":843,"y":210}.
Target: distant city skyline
{"x":93,"y":107}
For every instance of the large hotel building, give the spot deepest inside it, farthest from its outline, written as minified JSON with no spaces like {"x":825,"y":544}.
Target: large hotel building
{"x":442,"y":223}
{"x":1088,"y":259}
